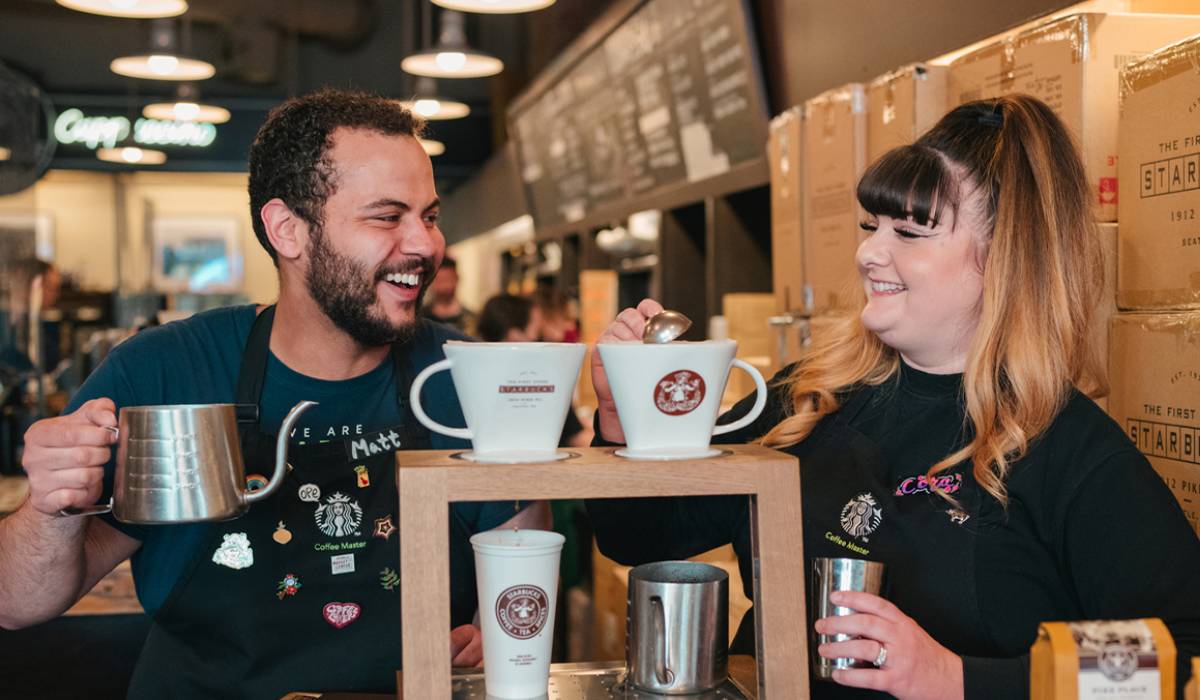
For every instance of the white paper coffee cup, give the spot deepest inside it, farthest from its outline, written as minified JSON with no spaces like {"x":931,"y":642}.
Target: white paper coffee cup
{"x":516,"y":572}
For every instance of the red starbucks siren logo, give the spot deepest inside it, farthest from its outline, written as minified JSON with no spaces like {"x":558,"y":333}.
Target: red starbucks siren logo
{"x":522,"y":611}
{"x":679,"y":392}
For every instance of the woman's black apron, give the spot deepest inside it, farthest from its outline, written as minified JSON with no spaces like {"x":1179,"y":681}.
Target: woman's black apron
{"x":851,"y":509}
{"x":302,"y":592}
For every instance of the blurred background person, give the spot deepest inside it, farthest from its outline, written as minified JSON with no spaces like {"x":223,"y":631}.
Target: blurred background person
{"x":558,"y":322}
{"x":441,"y":303}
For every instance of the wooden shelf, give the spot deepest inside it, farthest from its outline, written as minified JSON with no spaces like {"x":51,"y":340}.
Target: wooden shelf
{"x":430,"y":480}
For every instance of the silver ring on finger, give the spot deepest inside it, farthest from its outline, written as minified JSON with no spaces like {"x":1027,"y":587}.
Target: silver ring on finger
{"x":881,"y":657}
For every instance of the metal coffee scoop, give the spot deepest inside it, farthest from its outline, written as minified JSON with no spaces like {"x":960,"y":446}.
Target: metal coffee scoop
{"x":665,"y":326}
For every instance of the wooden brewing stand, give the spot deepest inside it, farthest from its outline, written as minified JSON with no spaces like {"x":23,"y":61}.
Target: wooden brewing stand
{"x":431,"y":480}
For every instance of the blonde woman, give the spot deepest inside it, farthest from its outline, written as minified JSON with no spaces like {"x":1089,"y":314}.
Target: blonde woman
{"x":945,"y":430}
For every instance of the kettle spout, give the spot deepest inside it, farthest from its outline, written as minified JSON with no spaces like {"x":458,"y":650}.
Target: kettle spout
{"x":281,"y":450}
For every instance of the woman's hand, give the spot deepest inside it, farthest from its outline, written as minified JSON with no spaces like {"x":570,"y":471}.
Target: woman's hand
{"x":916,"y":666}
{"x":627,"y":326}
{"x":466,"y":647}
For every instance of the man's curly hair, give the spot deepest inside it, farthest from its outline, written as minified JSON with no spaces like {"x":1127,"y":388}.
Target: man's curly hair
{"x":289,"y":157}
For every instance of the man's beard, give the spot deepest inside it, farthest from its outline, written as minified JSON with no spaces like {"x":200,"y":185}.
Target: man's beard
{"x":345,"y":291}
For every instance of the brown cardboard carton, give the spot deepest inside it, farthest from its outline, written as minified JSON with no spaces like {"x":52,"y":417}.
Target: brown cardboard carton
{"x":902,"y":105}
{"x":785,"y":149}
{"x":597,"y":309}
{"x":1108,"y":300}
{"x":747,"y":315}
{"x":1072,"y":64}
{"x":835,"y":151}
{"x":1154,"y":369}
{"x":1160,"y":180}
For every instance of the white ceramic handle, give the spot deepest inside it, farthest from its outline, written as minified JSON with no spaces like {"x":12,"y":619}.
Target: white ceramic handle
{"x":760,"y":400}
{"x":414,"y":398}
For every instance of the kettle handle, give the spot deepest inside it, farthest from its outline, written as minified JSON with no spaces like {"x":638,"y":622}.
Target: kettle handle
{"x":662,"y":665}
{"x":281,"y":448}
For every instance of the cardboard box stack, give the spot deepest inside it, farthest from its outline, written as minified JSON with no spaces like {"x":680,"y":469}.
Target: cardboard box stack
{"x":1154,"y":361}
{"x":785,"y":155}
{"x":834,"y":156}
{"x":1072,"y":64}
{"x":1160,"y":180}
{"x":902,"y":105}
{"x":1155,"y":370}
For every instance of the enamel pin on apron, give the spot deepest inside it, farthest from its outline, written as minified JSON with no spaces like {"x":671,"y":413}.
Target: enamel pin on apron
{"x":364,"y":477}
{"x":288,"y":586}
{"x":235,"y":551}
{"x":282,"y":534}
{"x":309,"y":493}
{"x":341,"y":614}
{"x":389,"y":579}
{"x":384,"y":527}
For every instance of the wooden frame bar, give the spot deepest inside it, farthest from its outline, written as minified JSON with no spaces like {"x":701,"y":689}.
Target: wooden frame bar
{"x":430,"y":480}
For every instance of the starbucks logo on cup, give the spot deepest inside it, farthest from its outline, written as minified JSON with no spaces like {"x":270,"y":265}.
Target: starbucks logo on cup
{"x":679,"y":393}
{"x":522,"y":611}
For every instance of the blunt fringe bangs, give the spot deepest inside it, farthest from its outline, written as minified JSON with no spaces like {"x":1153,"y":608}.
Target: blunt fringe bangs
{"x":910,"y":181}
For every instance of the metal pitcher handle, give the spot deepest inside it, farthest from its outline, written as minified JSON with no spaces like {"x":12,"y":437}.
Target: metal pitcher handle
{"x":281,"y":448}
{"x":662,"y":670}
{"x":86,"y":510}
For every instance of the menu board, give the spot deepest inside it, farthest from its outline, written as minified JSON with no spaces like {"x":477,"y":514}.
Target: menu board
{"x":673,"y":95}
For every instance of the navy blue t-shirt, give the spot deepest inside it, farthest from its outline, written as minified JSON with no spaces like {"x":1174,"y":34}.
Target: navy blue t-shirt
{"x":197,"y":361}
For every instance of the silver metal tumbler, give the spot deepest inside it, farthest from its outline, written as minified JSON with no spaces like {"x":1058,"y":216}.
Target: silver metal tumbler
{"x":678,"y":627}
{"x":836,"y":574}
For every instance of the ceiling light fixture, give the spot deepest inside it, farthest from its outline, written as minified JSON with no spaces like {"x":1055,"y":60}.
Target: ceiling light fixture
{"x":452,"y":57}
{"x":132,"y":155}
{"x":134,"y":9}
{"x":433,"y":147}
{"x":186,"y":108}
{"x":494,"y":7}
{"x":164,"y":61}
{"x":427,"y":103}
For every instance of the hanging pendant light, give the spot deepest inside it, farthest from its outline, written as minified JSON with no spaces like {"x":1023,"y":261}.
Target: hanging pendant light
{"x":452,"y":57}
{"x":129,"y":154}
{"x":186,"y":108}
{"x":494,"y":7}
{"x":433,"y":147}
{"x":164,"y":61}
{"x":5,"y":153}
{"x":132,"y":9}
{"x":427,"y":103}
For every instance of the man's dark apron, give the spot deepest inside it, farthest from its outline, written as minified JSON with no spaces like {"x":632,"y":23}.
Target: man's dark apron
{"x":302,"y":592}
{"x":854,"y":513}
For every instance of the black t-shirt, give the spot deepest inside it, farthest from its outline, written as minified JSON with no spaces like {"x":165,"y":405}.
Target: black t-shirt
{"x":1090,"y":532}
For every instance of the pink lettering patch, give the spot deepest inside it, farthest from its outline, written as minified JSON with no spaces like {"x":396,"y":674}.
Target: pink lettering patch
{"x":341,"y":614}
{"x":946,"y":483}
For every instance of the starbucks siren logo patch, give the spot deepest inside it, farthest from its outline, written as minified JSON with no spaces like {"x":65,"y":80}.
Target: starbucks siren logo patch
{"x":339,"y":516}
{"x":861,"y":516}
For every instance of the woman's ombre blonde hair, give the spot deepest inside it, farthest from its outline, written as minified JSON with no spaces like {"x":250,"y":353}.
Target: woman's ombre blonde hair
{"x":1042,"y":277}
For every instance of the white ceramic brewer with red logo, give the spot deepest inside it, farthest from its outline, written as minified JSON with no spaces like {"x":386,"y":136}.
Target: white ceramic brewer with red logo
{"x":514,"y":396}
{"x":668,"y":395}
{"x":516,"y":573}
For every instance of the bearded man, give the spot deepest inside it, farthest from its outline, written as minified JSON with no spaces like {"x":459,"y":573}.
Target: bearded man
{"x":342,"y":198}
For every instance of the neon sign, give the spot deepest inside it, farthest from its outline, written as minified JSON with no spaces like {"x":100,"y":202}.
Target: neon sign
{"x":73,"y":126}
